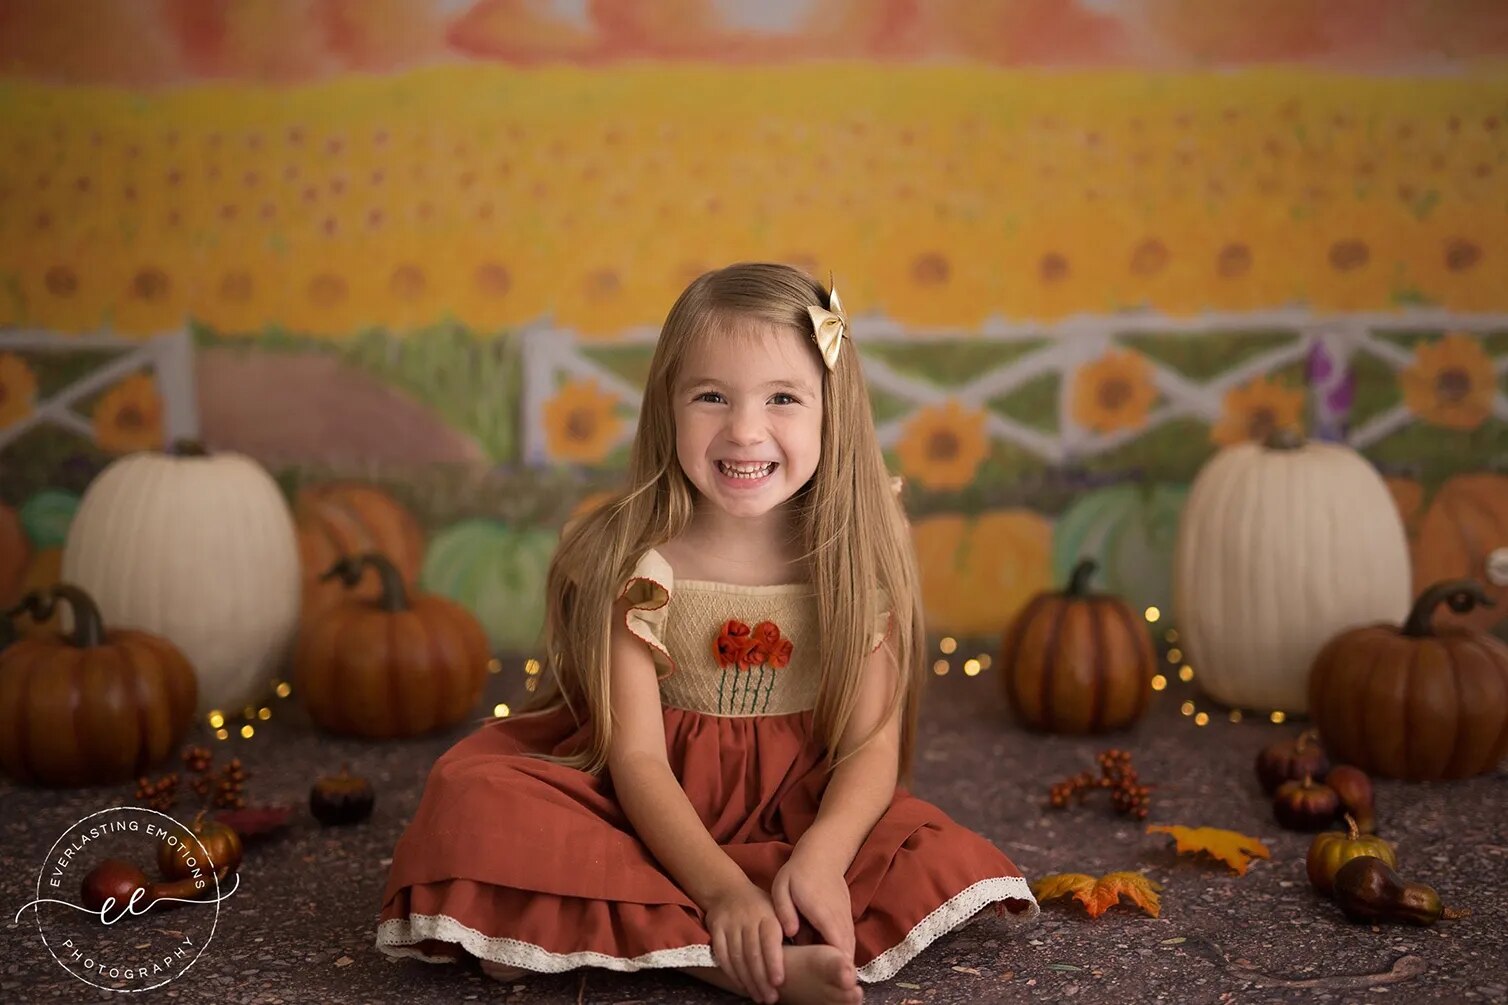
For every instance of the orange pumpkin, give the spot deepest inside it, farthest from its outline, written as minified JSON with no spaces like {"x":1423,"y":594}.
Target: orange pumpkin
{"x":388,"y":667}
{"x":92,"y":707}
{"x":1467,"y":520}
{"x":1423,"y":701}
{"x":1077,"y":662}
{"x":14,"y":552}
{"x":347,"y":518}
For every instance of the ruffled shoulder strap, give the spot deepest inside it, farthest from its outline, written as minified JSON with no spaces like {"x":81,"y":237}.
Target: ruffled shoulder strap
{"x":648,"y":593}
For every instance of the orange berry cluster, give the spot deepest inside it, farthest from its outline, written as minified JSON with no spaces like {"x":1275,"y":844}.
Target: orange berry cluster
{"x":160,"y":794}
{"x":1127,"y":794}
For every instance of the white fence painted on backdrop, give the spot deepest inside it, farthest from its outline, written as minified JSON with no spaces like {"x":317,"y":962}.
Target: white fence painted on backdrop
{"x":552,"y":353}
{"x":169,"y":357}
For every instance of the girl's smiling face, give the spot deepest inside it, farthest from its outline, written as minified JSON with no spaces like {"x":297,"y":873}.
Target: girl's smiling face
{"x":748,"y":418}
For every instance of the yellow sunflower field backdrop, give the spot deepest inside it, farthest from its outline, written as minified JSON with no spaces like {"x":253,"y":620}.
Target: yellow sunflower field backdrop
{"x":430,"y":251}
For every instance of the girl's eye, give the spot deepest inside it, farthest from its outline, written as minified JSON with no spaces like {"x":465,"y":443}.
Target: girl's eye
{"x":784,"y":399}
{"x":712,"y":396}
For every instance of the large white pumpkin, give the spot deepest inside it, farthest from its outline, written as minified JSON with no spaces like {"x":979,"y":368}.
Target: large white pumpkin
{"x":199,"y":549}
{"x":1282,"y":546}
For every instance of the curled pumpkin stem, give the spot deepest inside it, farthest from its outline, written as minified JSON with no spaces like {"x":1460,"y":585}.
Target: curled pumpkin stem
{"x":349,"y":568}
{"x":38,"y":607}
{"x":1460,"y":595}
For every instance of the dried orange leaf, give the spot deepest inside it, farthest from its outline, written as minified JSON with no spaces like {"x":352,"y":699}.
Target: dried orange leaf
{"x":1099,"y":895}
{"x":1231,"y":847}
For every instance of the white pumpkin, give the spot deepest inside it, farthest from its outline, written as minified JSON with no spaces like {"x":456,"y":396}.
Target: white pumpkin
{"x":201,"y":550}
{"x":1281,"y":546}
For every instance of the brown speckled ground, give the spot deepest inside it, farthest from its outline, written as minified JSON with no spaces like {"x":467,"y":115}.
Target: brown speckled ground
{"x":300,"y":927}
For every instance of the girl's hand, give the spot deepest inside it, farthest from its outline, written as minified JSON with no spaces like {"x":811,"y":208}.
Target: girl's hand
{"x":746,"y":940}
{"x":815,"y":887}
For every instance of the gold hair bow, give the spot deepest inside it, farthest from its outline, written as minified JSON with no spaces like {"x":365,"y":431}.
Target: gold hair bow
{"x":831,"y":326}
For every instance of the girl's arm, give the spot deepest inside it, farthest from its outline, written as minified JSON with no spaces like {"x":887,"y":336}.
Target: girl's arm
{"x":863,"y":785}
{"x":739,"y":915}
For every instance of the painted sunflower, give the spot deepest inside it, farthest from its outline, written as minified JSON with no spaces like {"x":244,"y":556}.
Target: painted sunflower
{"x":65,"y":289}
{"x":943,"y":446}
{"x":18,"y":389}
{"x":129,"y":416}
{"x":580,"y":423}
{"x":240,"y":289}
{"x":1451,"y":382}
{"x":152,"y":293}
{"x":1256,"y":410}
{"x":1114,"y":392}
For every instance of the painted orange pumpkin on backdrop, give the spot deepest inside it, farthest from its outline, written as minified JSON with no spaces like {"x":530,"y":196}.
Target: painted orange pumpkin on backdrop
{"x":1465,"y":523}
{"x":1420,"y":702}
{"x":94,"y":707}
{"x":391,"y":667}
{"x":1077,"y":662}
{"x":349,"y":519}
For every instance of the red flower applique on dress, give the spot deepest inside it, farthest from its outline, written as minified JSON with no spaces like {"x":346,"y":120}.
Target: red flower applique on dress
{"x":741,"y":651}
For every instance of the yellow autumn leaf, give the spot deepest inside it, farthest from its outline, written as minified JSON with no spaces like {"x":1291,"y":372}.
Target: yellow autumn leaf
{"x":1099,"y":895}
{"x":1231,"y":847}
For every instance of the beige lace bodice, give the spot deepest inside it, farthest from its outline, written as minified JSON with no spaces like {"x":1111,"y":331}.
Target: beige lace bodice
{"x":724,"y":649}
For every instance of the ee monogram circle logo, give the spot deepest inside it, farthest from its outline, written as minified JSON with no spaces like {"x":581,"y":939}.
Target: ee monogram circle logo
{"x":94,"y":896}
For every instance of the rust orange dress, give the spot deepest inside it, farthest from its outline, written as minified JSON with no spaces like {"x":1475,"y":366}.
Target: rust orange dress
{"x":532,"y":864}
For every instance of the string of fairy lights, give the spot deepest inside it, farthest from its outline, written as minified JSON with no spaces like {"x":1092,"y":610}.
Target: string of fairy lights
{"x":948,"y":648}
{"x":1178,"y":668}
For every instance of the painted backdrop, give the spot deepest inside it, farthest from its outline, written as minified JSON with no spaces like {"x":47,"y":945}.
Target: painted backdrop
{"x":412,"y":257}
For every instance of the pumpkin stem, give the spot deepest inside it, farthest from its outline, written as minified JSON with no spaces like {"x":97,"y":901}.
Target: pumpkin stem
{"x":88,"y":626}
{"x":1351,"y":832}
{"x":1078,"y":581}
{"x":1461,"y":594}
{"x":349,"y":569}
{"x":1283,"y":439}
{"x":186,"y":447}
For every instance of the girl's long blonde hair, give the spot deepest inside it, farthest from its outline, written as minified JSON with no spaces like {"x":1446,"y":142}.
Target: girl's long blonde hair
{"x":852,"y":530}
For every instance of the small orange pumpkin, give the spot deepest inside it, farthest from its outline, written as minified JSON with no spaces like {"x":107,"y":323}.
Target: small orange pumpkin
{"x":1078,"y":662}
{"x":1424,"y":701}
{"x":392,"y":666}
{"x":92,"y":707}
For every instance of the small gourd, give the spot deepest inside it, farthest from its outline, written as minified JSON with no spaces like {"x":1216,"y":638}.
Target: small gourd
{"x":1354,"y":789}
{"x":1305,"y":805}
{"x":1333,"y":849}
{"x":1286,"y":760}
{"x":1368,"y":890}
{"x":341,"y":799}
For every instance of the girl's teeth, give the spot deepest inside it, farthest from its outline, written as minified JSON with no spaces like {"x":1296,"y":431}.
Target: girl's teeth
{"x":745,"y":471}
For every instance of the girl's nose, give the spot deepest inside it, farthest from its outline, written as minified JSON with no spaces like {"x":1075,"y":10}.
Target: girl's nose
{"x":745,"y":426}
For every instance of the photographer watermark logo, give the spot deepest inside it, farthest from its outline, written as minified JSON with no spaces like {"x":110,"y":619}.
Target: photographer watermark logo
{"x":107,"y":920}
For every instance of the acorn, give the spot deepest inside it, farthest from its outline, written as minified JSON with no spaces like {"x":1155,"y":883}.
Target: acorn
{"x":341,"y":799}
{"x":1305,"y":805}
{"x":1288,"y":760}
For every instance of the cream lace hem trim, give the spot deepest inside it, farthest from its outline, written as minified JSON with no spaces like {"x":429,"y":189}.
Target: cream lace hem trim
{"x":961,"y":908}
{"x":397,"y":936}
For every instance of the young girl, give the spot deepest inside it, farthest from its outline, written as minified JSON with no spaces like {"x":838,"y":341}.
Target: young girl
{"x":708,"y":779}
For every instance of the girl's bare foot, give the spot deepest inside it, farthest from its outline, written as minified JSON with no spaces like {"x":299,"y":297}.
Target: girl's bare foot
{"x":501,"y":972}
{"x":814,"y":975}
{"x":819,"y":975}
